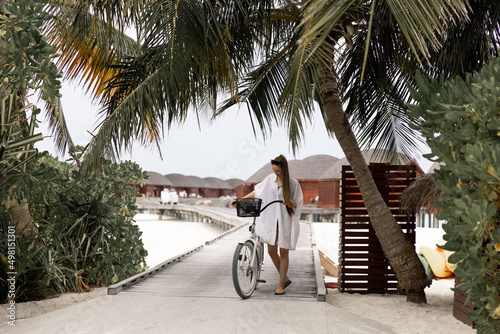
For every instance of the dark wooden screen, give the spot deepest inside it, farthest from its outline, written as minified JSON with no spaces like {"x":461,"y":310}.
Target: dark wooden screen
{"x":461,"y":311}
{"x":363,"y":267}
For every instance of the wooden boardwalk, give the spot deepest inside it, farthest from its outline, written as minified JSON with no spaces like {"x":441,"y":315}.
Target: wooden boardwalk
{"x":207,"y":272}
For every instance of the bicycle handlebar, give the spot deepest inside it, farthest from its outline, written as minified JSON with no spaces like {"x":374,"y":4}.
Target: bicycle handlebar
{"x":277,"y":201}
{"x":251,"y":207}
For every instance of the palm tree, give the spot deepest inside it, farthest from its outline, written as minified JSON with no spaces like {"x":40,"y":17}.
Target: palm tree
{"x":379,"y":88}
{"x":194,"y":50}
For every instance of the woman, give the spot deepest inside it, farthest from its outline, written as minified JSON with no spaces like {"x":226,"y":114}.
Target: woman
{"x":278,"y":225}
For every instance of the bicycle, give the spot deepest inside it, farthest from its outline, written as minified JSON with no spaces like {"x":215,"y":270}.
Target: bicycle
{"x":249,"y":255}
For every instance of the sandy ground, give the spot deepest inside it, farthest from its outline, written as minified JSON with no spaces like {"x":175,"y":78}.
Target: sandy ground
{"x":406,"y":318}
{"x":36,"y":308}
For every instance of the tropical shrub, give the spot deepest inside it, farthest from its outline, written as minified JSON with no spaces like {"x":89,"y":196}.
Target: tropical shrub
{"x":460,"y":120}
{"x":23,"y":256}
{"x":82,"y":232}
{"x":26,"y":63}
{"x":26,"y":56}
{"x":86,"y":223}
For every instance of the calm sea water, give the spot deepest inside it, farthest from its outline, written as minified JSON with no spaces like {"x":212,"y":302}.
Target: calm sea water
{"x":164,"y":239}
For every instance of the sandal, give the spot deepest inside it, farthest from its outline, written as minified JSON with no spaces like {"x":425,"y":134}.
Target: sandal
{"x":287,"y":283}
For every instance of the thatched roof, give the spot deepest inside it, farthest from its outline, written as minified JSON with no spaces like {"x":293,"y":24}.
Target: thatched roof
{"x":157,"y":179}
{"x":335,"y":171}
{"x":421,"y":193}
{"x":308,"y":168}
{"x":216,"y":183}
{"x":185,"y":181}
{"x":313,"y":167}
{"x":190,"y":181}
{"x":235,"y":182}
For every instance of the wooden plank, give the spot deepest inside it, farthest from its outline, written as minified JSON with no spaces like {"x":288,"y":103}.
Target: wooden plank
{"x":459,"y":303}
{"x":461,"y":298}
{"x":461,"y":314}
{"x":359,"y":234}
{"x":352,"y":189}
{"x":328,"y":264}
{"x":358,"y":248}
{"x":321,"y":288}
{"x":378,"y":182}
{"x":358,"y":212}
{"x":398,"y":174}
{"x":368,"y":256}
{"x":366,"y":219}
{"x":380,"y":271}
{"x":345,"y":241}
{"x":347,"y":273}
{"x":347,"y":225}
{"x":345,"y":263}
{"x":358,"y":197}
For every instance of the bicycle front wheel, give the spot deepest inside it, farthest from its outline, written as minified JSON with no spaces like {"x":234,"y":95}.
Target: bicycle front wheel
{"x":245,"y":271}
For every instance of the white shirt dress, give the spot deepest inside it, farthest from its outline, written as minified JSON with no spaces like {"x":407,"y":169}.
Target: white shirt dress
{"x":276,"y":215}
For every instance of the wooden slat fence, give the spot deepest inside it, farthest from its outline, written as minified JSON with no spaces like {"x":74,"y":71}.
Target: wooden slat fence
{"x":363,"y":267}
{"x":461,"y":311}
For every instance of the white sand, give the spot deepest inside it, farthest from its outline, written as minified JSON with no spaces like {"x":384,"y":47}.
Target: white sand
{"x":433,"y":317}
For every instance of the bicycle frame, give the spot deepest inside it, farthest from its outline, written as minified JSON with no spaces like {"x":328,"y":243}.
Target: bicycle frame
{"x":247,"y":263}
{"x":258,"y":248}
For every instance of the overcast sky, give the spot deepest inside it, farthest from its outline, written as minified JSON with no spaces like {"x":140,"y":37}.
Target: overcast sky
{"x":226,"y":148}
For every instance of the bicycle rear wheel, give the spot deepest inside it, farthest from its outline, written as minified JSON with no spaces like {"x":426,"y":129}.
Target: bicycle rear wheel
{"x":245,"y":271}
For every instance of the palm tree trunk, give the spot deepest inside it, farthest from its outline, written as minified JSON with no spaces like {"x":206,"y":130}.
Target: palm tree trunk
{"x":397,"y":248}
{"x":21,"y":217}
{"x":2,"y":3}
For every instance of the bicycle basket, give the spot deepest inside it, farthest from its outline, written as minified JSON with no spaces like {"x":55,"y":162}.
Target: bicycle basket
{"x":248,"y":207}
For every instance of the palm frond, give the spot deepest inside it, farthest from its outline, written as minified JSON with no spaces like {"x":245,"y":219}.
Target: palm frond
{"x":132,"y":113}
{"x":468,"y":45}
{"x":117,"y":13}
{"x":422,"y":21}
{"x":266,"y":90}
{"x":54,"y":116}
{"x":260,"y":90}
{"x":186,"y":62}
{"x":87,"y":45}
{"x":375,"y":101}
{"x":296,"y":100}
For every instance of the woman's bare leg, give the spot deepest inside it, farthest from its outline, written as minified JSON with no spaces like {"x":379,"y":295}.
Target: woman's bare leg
{"x":272,"y":250}
{"x":284,"y":261}
{"x":280,"y":261}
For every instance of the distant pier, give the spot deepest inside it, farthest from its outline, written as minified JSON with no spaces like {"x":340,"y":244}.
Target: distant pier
{"x":186,"y":210}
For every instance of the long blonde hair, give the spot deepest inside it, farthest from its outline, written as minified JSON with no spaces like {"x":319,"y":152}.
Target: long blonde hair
{"x":281,"y":161}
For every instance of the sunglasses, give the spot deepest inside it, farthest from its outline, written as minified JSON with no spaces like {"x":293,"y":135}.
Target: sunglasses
{"x":274,"y":162}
